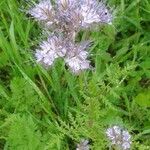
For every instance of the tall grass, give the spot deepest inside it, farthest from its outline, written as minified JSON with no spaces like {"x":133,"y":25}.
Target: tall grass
{"x":54,"y":109}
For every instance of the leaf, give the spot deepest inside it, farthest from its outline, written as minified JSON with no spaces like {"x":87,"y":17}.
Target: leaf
{"x":143,"y":99}
{"x":3,"y":59}
{"x":24,"y":134}
{"x":145,"y":64}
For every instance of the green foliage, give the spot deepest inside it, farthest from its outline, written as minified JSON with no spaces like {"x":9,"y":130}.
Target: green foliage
{"x":23,"y":96}
{"x":23,"y":134}
{"x":143,"y":99}
{"x":53,"y":109}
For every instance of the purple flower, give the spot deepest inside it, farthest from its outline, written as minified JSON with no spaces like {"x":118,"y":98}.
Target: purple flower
{"x":50,"y":50}
{"x":93,"y":11}
{"x":119,"y":137}
{"x":43,"y":12}
{"x":83,"y":145}
{"x":72,"y":14}
{"x":75,"y":55}
{"x":67,"y":18}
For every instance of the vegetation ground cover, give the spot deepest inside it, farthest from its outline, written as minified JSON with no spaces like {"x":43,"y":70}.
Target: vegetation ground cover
{"x":53,"y":109}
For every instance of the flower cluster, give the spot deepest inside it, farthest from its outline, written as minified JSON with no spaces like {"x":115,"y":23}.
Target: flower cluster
{"x":83,"y":145}
{"x":67,"y":18}
{"x":119,"y":137}
{"x":75,"y":55}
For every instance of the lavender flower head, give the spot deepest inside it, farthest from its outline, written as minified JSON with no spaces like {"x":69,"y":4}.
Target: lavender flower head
{"x":119,"y":137}
{"x":50,"y":50}
{"x":43,"y":12}
{"x":76,"y":57}
{"x":83,"y":145}
{"x":67,"y":18}
{"x":93,"y":11}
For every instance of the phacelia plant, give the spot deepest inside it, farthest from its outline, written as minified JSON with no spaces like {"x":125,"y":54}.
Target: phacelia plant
{"x":119,"y":137}
{"x":83,"y":145}
{"x":66,"y":18}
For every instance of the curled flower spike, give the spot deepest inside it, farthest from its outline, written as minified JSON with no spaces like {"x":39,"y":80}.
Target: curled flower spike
{"x":93,"y":11}
{"x":77,"y":65}
{"x":105,"y":14}
{"x":67,"y":18}
{"x":50,"y":50}
{"x":119,"y":137}
{"x":76,"y":57}
{"x":43,"y":12}
{"x":83,"y":145}
{"x":66,"y":4}
{"x":71,"y":15}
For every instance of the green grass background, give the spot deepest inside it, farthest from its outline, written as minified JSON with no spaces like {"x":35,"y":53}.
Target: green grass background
{"x":53,"y":109}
